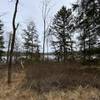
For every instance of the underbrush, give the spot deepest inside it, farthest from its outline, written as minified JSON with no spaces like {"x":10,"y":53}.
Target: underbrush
{"x":16,"y":92}
{"x":50,"y":82}
{"x":47,"y":77}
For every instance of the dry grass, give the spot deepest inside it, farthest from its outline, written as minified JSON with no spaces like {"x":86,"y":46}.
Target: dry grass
{"x":18,"y":90}
{"x":47,"y":77}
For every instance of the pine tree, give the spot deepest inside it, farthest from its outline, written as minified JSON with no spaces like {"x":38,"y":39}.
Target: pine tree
{"x":87,"y":23}
{"x":1,"y":40}
{"x":61,"y":31}
{"x":30,"y":40}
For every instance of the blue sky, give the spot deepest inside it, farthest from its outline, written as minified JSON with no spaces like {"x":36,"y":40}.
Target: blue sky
{"x":29,"y":10}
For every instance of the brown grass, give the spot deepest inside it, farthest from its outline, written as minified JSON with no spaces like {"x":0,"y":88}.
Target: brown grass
{"x":46,"y":77}
{"x":50,"y":82}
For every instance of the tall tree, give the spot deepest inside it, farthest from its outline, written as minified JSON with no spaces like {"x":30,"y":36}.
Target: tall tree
{"x":1,"y":40}
{"x":89,"y":24}
{"x":13,"y":41}
{"x":30,"y":40}
{"x":61,"y":30}
{"x":45,"y":14}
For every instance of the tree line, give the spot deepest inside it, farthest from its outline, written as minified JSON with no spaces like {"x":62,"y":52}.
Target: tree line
{"x":73,"y":34}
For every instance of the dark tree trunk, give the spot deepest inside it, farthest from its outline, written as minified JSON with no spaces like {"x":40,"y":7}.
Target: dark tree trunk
{"x":84,"y":54}
{"x":64,"y":41}
{"x":84,"y":47}
{"x":12,"y":44}
{"x":89,"y":49}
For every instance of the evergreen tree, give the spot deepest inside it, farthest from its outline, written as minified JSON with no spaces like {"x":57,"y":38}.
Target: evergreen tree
{"x":88,"y":23}
{"x":61,"y":31}
{"x":1,"y":40}
{"x":30,"y":40}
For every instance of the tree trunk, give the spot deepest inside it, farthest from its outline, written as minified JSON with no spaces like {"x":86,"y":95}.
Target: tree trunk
{"x":47,"y":49}
{"x":9,"y":44}
{"x":89,"y":54}
{"x":44,"y":39}
{"x":12,"y":44}
{"x":84,"y":54}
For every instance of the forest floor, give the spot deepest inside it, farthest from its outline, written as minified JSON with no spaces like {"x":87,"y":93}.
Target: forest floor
{"x":51,"y":82}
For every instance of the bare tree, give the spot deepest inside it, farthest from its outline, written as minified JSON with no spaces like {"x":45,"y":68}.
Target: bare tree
{"x":45,"y":14}
{"x":13,"y":41}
